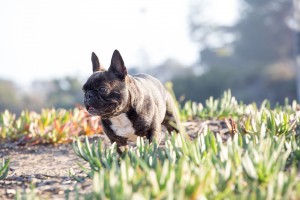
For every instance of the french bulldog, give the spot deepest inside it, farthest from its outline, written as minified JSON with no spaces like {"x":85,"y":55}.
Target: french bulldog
{"x":129,"y":105}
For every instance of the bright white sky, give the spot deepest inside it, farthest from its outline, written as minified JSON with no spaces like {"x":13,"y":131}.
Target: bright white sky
{"x":42,"y":39}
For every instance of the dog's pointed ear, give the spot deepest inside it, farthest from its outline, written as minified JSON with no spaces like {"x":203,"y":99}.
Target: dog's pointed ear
{"x":96,"y":64}
{"x":117,"y":65}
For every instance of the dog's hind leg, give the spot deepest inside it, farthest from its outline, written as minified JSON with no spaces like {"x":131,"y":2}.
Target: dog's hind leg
{"x":172,"y":118}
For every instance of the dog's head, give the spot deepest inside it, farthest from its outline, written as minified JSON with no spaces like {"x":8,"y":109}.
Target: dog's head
{"x":105,"y":92}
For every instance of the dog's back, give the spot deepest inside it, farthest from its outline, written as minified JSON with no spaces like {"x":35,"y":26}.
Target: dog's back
{"x":164,"y":101}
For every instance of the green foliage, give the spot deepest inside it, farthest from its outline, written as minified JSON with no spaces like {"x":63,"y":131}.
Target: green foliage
{"x":50,"y":126}
{"x":4,"y":168}
{"x":204,"y":168}
{"x":214,"y":108}
{"x":228,"y":106}
{"x":259,"y":161}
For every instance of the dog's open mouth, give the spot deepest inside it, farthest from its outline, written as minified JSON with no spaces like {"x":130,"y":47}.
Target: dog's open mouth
{"x":96,"y":111}
{"x":91,"y":109}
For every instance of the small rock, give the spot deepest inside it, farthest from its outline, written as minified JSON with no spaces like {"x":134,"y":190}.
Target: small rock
{"x":7,"y":183}
{"x":66,"y":182}
{"x":10,"y":191}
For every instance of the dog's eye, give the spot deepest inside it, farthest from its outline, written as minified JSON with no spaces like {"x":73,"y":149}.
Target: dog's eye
{"x":102,"y":89}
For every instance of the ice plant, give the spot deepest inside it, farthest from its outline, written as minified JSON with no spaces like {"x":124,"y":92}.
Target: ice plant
{"x":50,"y":126}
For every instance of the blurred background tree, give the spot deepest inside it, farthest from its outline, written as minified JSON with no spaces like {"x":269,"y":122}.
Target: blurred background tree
{"x":254,"y":57}
{"x":64,"y":92}
{"x":10,"y":96}
{"x":57,"y":93}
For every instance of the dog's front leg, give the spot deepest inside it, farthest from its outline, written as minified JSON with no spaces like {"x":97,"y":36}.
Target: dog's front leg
{"x":155,"y":132}
{"x":121,"y":141}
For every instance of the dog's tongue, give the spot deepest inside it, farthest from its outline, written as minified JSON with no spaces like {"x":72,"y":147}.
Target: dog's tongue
{"x":91,"y":108}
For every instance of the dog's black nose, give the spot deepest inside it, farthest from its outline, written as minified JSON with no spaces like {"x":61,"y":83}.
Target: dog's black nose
{"x":89,"y":95}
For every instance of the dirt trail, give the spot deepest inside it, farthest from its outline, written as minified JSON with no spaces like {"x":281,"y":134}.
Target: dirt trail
{"x":46,"y":167}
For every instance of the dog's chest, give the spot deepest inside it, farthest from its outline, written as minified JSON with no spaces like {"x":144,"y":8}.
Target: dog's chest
{"x":122,"y":126}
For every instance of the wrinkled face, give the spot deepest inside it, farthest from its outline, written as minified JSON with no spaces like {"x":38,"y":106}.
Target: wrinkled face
{"x":105,"y":92}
